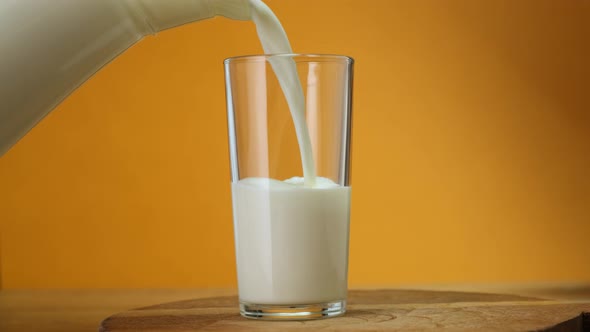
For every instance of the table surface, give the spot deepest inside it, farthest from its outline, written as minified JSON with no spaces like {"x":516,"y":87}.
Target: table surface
{"x":83,"y":310}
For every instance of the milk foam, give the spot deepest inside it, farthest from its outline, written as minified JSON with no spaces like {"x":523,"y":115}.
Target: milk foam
{"x":291,"y":183}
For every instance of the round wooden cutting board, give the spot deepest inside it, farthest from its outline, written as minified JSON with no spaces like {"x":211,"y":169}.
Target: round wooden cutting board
{"x":372,"y":310}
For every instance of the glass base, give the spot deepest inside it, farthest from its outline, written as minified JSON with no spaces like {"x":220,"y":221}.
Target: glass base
{"x":292,"y":312}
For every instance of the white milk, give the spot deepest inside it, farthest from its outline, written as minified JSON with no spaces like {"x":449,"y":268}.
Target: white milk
{"x":291,"y":237}
{"x":291,"y":241}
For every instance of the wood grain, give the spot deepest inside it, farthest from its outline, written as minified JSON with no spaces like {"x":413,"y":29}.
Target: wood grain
{"x":372,"y":310}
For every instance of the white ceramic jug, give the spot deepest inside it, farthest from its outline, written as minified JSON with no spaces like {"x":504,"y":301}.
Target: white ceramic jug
{"x":49,"y":47}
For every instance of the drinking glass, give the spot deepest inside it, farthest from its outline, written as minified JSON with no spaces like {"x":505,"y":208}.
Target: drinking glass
{"x":289,"y":127}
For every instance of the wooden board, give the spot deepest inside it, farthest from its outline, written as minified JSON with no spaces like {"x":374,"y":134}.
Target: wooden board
{"x":372,"y":310}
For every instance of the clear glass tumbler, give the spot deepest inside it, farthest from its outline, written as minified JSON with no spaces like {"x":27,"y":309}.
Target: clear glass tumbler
{"x":290,"y":169}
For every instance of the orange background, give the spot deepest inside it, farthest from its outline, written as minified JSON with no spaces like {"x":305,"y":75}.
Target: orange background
{"x":471,"y":151}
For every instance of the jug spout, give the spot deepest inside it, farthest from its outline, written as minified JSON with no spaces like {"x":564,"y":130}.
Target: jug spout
{"x":161,"y":15}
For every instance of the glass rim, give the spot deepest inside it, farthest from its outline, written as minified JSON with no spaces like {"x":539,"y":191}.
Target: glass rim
{"x":264,"y":57}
